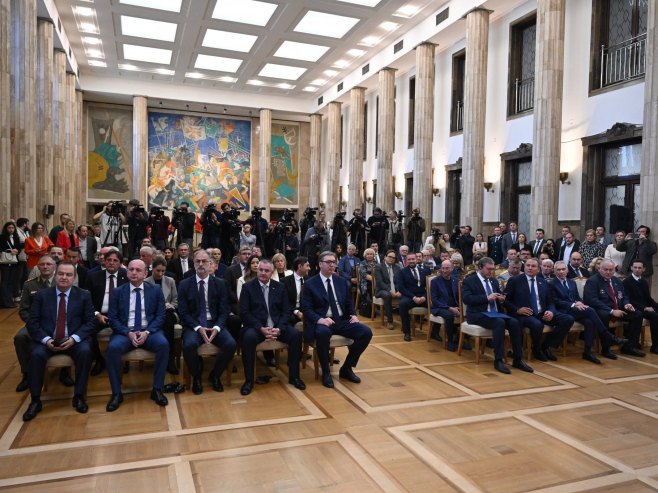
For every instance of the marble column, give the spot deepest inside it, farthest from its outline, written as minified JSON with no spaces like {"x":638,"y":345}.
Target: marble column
{"x":547,"y":123}
{"x":385,"y":139}
{"x":71,"y":193}
{"x":44,"y":182}
{"x":315,"y":160}
{"x":357,"y":114}
{"x":333,"y":159}
{"x":140,"y":148}
{"x":81,"y":159}
{"x":23,"y":108}
{"x":5,"y":101}
{"x":59,"y":134}
{"x":423,"y":130}
{"x":265,"y":161}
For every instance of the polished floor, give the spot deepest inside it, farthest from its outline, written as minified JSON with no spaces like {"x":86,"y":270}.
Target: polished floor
{"x":422,"y":420}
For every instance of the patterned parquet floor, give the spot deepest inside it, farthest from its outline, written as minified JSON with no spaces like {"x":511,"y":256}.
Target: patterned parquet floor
{"x":423,"y":419}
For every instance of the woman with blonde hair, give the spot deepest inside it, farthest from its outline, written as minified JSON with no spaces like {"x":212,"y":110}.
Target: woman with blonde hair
{"x":280,"y":267}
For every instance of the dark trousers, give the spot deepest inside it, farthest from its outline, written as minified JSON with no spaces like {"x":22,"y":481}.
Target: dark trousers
{"x":407,"y":304}
{"x":119,"y":344}
{"x":358,"y":332}
{"x":388,"y":304}
{"x":449,"y":318}
{"x":632,"y":326}
{"x":652,"y":317}
{"x":81,"y":354}
{"x":560,"y":322}
{"x":23,"y":345}
{"x":593,"y":325}
{"x":252,"y":337}
{"x":8,"y":281}
{"x":168,"y":329}
{"x":192,"y":340}
{"x":498,"y":326}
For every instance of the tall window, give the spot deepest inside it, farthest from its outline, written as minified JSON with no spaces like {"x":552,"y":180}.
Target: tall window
{"x":377,"y":128}
{"x":621,"y":186}
{"x":412,"y":109}
{"x":516,"y":192}
{"x":521,"y":87}
{"x":454,"y":196}
{"x":409,"y":196}
{"x":457,"y":110}
{"x":365,"y":131}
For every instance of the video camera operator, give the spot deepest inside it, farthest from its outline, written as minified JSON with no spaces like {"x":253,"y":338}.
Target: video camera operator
{"x":308,"y":220}
{"x":229,"y":233}
{"x":111,"y":218}
{"x":184,"y":221}
{"x":316,"y":241}
{"x":159,"y":224}
{"x":378,"y":225}
{"x":415,"y":230}
{"x":210,"y":222}
{"x":137,"y":220}
{"x":258,"y":225}
{"x":394,"y":235}
{"x":357,"y":228}
{"x":339,"y":232}
{"x":286,"y":241}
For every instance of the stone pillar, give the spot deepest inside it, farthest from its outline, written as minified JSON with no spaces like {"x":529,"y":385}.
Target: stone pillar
{"x":5,"y":101}
{"x":72,"y":195}
{"x":44,"y":182}
{"x":385,"y":139}
{"x":265,"y":161}
{"x":59,"y":134}
{"x":547,"y":123}
{"x":333,"y":160}
{"x":315,"y":151}
{"x":423,"y":131}
{"x":355,"y":195}
{"x":23,"y":108}
{"x":140,"y":148}
{"x":475,"y":103}
{"x":81,"y":159}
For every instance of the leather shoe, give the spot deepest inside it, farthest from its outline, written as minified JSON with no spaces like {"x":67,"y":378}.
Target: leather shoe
{"x":539,"y":355}
{"x":99,"y":366}
{"x":347,"y":373}
{"x":327,"y":381}
{"x":654,"y":350}
{"x":549,"y":354}
{"x":519,"y":364}
{"x":407,"y":337}
{"x":247,"y":387}
{"x":197,"y":388}
{"x":79,"y":404}
{"x":298,"y":383}
{"x":115,"y":402}
{"x":65,"y":378}
{"x":589,"y":356}
{"x":501,"y":367}
{"x":631,"y":351}
{"x":607,"y":353}
{"x":158,"y":397}
{"x":452,"y":347}
{"x":216,"y":383}
{"x":32,"y":410}
{"x":618,"y":341}
{"x":23,"y":385}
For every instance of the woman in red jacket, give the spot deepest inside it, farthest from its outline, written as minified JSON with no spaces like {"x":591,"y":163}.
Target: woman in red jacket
{"x":36,"y":245}
{"x":68,"y":237}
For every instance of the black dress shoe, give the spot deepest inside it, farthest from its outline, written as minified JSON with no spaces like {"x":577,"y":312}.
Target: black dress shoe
{"x":115,"y":402}
{"x":539,"y":355}
{"x":589,"y":356}
{"x":618,"y":341}
{"x":519,"y":364}
{"x":549,"y":354}
{"x":23,"y":385}
{"x":79,"y":404}
{"x":607,"y":353}
{"x":452,"y":347}
{"x":348,"y":374}
{"x":197,"y":388}
{"x":216,"y":383}
{"x":32,"y":410}
{"x":65,"y":378}
{"x":247,"y":387}
{"x":631,"y":351}
{"x":99,"y":366}
{"x":654,"y":350}
{"x":327,"y":381}
{"x":407,"y":337}
{"x":172,"y":369}
{"x":501,"y":367}
{"x":298,"y":383}
{"x":158,"y":397}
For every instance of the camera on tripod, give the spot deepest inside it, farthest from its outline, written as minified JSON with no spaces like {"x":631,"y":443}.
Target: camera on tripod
{"x":309,"y":213}
{"x":158,"y":212}
{"x":257,"y":212}
{"x":401,"y":215}
{"x":117,"y":207}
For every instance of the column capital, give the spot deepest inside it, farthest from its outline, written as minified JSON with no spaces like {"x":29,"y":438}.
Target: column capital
{"x":263,"y":109}
{"x":426,"y":43}
{"x":46,"y":19}
{"x":477,"y":9}
{"x":361,"y":88}
{"x":388,"y":69}
{"x":315,"y":114}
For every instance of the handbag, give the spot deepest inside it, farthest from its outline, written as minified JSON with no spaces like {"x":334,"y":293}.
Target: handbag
{"x":7,"y":258}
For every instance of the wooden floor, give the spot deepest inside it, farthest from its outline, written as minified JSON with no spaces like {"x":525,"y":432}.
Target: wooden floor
{"x":422,"y":420}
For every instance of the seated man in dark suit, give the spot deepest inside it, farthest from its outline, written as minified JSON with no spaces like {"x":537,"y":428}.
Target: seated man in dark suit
{"x":444,"y":293}
{"x":387,"y":278}
{"x":567,"y":300}
{"x":575,"y":266}
{"x":265,"y":316}
{"x":61,"y":321}
{"x":182,"y":264}
{"x":294,"y":285}
{"x":414,"y":292}
{"x":605,"y":293}
{"x":639,"y":294}
{"x":328,"y":309}
{"x":137,"y":314}
{"x":481,"y":294}
{"x":528,"y":298}
{"x":203,"y":308}
{"x":73,"y":256}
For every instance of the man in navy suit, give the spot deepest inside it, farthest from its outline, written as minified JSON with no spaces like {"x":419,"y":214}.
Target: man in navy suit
{"x":495,"y":247}
{"x":528,"y":298}
{"x":639,"y":294}
{"x":412,"y":286}
{"x":181,"y":265}
{"x":265,"y":315}
{"x":575,"y":266}
{"x":481,"y":294}
{"x":328,"y":309}
{"x":386,"y":280}
{"x":203,"y":308}
{"x":61,"y":322}
{"x":137,"y":314}
{"x":567,"y":300}
{"x":605,"y":293}
{"x":444,"y":293}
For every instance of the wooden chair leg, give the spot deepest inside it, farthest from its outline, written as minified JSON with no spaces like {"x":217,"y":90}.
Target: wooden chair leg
{"x":460,"y":343}
{"x":316,"y":364}
{"x":477,"y":350}
{"x":304,"y":354}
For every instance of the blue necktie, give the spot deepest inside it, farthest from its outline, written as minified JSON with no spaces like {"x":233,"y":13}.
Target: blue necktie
{"x":138,"y":309}
{"x":203,"y":310}
{"x":492,"y":303}
{"x":533,"y":297}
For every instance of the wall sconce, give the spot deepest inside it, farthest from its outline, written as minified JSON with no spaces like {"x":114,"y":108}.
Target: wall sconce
{"x":343,"y":203}
{"x":369,"y":200}
{"x":436,"y":192}
{"x":322,"y":204}
{"x":398,"y":195}
{"x":488,"y":186}
{"x":564,"y":177}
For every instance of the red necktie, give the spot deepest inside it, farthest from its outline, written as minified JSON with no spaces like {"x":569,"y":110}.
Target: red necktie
{"x":60,"y":328}
{"x":612,"y":293}
{"x":109,"y":293}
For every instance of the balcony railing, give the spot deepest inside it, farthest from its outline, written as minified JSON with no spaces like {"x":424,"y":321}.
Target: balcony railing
{"x":457,"y":119}
{"x":623,"y":61}
{"x":524,"y":95}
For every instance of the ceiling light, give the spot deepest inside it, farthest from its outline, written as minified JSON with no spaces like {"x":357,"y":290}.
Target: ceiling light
{"x":147,"y":28}
{"x":228,"y":79}
{"x":95,"y":54}
{"x":165,"y":71}
{"x":370,"y":41}
{"x":285,"y":85}
{"x":194,"y":75}
{"x":310,"y":89}
{"x":255,"y":82}
{"x":84,"y":11}
{"x":281,"y":71}
{"x":407,"y":11}
{"x":168,"y":5}
{"x":389,"y":26}
{"x":88,"y":27}
{"x":91,"y":41}
{"x":224,"y":40}
{"x":97,"y":63}
{"x":356,"y":53}
{"x":245,"y":11}
{"x":301,"y":51}
{"x":319,"y":82}
{"x":330,"y":73}
{"x":147,"y":54}
{"x":218,"y":63}
{"x":321,"y":24}
{"x":340,"y":64}
{"x":367,"y":3}
{"x":127,"y":66}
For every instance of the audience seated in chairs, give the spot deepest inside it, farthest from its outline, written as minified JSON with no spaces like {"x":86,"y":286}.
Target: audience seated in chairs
{"x":412,"y":286}
{"x":444,"y":293}
{"x":387,"y":278}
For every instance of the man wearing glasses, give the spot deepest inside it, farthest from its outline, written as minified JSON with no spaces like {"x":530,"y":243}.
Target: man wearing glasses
{"x":386,"y":284}
{"x":328,"y":310}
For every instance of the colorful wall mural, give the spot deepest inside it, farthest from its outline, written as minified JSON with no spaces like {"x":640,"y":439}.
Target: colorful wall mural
{"x":284,"y":174}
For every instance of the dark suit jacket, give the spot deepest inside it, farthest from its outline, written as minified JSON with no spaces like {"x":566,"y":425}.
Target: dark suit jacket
{"x":92,"y":247}
{"x":639,"y":293}
{"x":154,"y":306}
{"x":564,"y":298}
{"x":96,"y":286}
{"x":43,"y":314}
{"x":495,"y":249}
{"x":576,"y":247}
{"x":176,"y":268}
{"x":440,"y":296}
{"x":645,"y":252}
{"x":253,"y":310}
{"x":382,"y":281}
{"x":597,"y":294}
{"x":188,"y":297}
{"x":572,"y":272}
{"x":291,"y":288}
{"x":517,"y":294}
{"x":408,"y":286}
{"x":82,"y":274}
{"x":506,"y":241}
{"x":475,"y":297}
{"x":532,"y":246}
{"x":231,"y":276}
{"x":315,"y":302}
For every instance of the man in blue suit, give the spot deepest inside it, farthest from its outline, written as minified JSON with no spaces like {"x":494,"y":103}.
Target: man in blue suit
{"x":137,"y":314}
{"x":203,"y":308}
{"x":567,"y":300}
{"x":61,"y":322}
{"x":444,"y":293}
{"x":265,"y":316}
{"x":412,"y":286}
{"x":528,"y":298}
{"x":328,"y":309}
{"x":481,"y":294}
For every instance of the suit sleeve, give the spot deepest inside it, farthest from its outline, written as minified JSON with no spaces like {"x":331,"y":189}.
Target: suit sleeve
{"x":349,"y":305}
{"x":34,"y":322}
{"x":591,"y":296}
{"x":223,"y":308}
{"x":403,"y":287}
{"x":158,"y":321}
{"x":283,"y":318}
{"x":185,"y":306}
{"x":435,"y":295}
{"x":308,"y":305}
{"x":88,"y":327}
{"x":561,"y":302}
{"x":379,"y":274}
{"x":247,"y":312}
{"x":114,"y":312}
{"x":469,"y":296}
{"x":510,"y":293}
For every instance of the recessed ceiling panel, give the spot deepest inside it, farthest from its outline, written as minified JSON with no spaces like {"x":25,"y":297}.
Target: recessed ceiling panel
{"x":322,"y":24}
{"x":147,"y":54}
{"x":218,"y":63}
{"x":281,"y":71}
{"x":244,"y":11}
{"x":147,"y":28}
{"x":168,"y":5}
{"x":367,"y":3}
{"x":301,"y":51}
{"x":224,"y":40}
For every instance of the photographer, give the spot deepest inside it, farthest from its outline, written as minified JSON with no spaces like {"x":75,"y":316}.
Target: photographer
{"x":111,"y":219}
{"x":315,"y":242}
{"x":229,"y":233}
{"x":394,"y":236}
{"x":258,"y":225}
{"x":378,"y":225}
{"x":184,"y":221}
{"x":307,"y":221}
{"x":210,"y":221}
{"x":137,"y":219}
{"x":339,"y":232}
{"x":415,"y":230}
{"x":159,"y":227}
{"x":246,"y":238}
{"x":357,"y":228}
